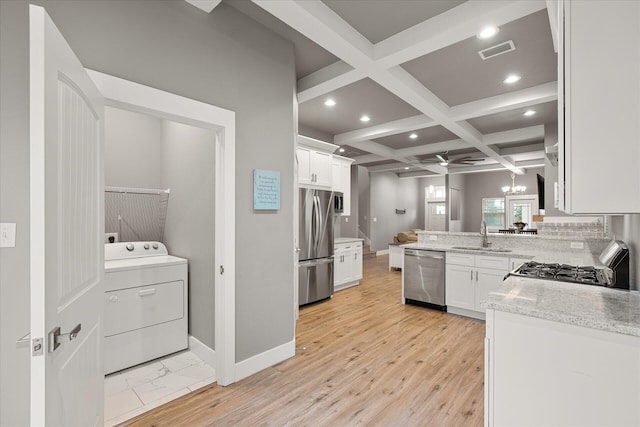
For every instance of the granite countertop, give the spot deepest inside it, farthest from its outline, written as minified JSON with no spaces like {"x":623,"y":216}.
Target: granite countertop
{"x":595,"y":307}
{"x":338,"y":240}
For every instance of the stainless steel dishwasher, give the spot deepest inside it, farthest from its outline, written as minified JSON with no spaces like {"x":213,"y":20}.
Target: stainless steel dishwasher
{"x":423,"y":275}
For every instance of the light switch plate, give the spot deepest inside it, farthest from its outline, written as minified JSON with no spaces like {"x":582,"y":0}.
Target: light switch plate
{"x":7,"y":235}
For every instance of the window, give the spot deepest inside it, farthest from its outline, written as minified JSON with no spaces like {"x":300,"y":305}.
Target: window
{"x":435,"y":192}
{"x":493,"y":212}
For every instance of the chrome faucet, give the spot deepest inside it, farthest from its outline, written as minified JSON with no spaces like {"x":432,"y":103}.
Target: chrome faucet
{"x":483,"y":233}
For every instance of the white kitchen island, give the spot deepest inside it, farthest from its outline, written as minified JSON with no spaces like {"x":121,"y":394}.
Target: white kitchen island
{"x":561,"y":354}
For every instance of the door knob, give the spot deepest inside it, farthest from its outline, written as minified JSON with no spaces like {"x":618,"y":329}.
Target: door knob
{"x":56,"y":338}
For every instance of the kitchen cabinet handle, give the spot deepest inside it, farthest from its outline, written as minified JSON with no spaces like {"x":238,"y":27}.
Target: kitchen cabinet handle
{"x":476,"y":275}
{"x":471,"y":275}
{"x":146,"y":292}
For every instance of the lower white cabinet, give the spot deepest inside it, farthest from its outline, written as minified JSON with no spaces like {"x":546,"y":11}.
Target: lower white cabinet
{"x":396,"y":256}
{"x":347,"y":262}
{"x":469,"y":279}
{"x":543,"y":373}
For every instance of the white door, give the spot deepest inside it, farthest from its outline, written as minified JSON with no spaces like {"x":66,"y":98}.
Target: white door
{"x":521,"y":209}
{"x":67,"y":222}
{"x":436,"y":216}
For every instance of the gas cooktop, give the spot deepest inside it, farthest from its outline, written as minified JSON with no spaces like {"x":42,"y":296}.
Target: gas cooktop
{"x":565,"y":273}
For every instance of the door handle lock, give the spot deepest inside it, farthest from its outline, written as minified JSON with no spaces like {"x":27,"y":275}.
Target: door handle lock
{"x":56,"y":338}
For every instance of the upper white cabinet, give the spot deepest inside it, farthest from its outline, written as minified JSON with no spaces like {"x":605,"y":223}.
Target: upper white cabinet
{"x":599,"y":106}
{"x":314,"y":168}
{"x":341,"y":180}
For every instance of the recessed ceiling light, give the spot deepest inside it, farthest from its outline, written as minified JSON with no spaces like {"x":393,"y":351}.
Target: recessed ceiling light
{"x":529,"y":112}
{"x":413,"y":136}
{"x":341,"y":150}
{"x":329,"y":102}
{"x":511,"y":78}
{"x":406,"y":168}
{"x":365,"y":118}
{"x":488,"y":32}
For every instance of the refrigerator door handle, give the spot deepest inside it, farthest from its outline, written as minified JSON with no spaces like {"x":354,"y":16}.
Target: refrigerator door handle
{"x":317,"y":221}
{"x":314,"y":262}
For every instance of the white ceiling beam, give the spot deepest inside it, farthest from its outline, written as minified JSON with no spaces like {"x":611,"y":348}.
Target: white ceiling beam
{"x":531,"y":148}
{"x":399,"y":82}
{"x":206,"y":5}
{"x":385,"y":129}
{"x":326,"y":80}
{"x":509,"y":101}
{"x":436,"y":147}
{"x":530,"y":133}
{"x":390,"y":153}
{"x":322,"y":25}
{"x":450,"y":27}
{"x":367,"y":158}
{"x":326,"y":28}
{"x":553,"y":12}
{"x":388,"y":167}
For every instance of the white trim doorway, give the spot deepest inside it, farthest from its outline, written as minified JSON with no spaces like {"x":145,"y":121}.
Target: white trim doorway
{"x":135,"y":97}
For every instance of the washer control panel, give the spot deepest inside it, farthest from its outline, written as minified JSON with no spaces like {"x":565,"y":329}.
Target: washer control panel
{"x":124,"y":250}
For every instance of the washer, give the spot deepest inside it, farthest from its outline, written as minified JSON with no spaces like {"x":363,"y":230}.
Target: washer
{"x":145,"y":304}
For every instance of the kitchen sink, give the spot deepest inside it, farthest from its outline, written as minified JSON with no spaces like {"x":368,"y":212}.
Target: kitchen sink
{"x":480,"y":248}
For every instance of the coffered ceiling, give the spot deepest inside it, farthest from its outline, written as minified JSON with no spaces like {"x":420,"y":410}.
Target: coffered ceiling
{"x":413,"y":67}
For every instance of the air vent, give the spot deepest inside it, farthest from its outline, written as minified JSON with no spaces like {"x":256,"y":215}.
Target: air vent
{"x":499,"y":49}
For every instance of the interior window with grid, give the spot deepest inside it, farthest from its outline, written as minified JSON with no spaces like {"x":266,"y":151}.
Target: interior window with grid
{"x":493,"y":212}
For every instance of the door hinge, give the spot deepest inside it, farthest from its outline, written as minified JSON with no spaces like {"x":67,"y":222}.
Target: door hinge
{"x":221,"y":270}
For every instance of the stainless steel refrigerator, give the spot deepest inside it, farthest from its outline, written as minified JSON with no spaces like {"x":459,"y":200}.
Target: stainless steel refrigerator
{"x":315,"y":267}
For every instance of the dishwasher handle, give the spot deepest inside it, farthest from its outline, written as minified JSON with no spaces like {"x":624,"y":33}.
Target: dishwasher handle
{"x":424,"y":254}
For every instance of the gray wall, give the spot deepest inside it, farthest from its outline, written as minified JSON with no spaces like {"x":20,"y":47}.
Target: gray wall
{"x":364,"y":200}
{"x":224,"y":59}
{"x":489,"y":184}
{"x":388,"y":193}
{"x":423,"y":183}
{"x":14,"y":207}
{"x":132,"y":155}
{"x":188,"y":159}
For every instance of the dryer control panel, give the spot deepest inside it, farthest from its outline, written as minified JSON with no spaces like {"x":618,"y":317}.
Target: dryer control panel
{"x":124,"y":250}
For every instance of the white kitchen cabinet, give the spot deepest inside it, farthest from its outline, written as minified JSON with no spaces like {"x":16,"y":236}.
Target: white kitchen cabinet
{"x":599,"y":106}
{"x":341,"y":180}
{"x":347,"y":261}
{"x":542,"y":373}
{"x":396,"y":256}
{"x":314,"y":168}
{"x":469,"y":279}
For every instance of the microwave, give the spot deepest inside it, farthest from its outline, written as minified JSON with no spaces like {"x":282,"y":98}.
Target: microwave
{"x":338,"y":203}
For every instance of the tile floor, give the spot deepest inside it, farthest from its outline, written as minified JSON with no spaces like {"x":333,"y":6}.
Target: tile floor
{"x":134,"y":391}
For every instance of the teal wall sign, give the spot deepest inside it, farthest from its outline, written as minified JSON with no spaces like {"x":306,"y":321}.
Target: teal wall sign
{"x":266,"y":190}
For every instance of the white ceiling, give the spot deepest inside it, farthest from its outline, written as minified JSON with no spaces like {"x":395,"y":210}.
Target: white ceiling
{"x":413,"y":66}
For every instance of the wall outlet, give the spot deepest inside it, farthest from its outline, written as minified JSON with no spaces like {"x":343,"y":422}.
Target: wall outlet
{"x":110,"y":237}
{"x":346,"y":219}
{"x":375,"y":219}
{"x":433,"y":237}
{"x":577,"y":245}
{"x":8,"y":235}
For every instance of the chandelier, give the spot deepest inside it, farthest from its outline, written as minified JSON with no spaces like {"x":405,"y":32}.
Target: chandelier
{"x":513,"y":189}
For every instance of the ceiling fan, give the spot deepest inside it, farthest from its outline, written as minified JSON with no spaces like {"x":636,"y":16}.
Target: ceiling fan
{"x":443,"y":160}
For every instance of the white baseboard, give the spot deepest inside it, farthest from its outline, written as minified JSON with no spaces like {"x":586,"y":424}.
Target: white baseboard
{"x":264,"y":360}
{"x":382,"y":252}
{"x":467,"y":313}
{"x":207,"y":354}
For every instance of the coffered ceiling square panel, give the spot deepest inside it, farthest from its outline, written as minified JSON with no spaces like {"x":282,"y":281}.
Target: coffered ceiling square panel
{"x":546,"y":113}
{"x":457,"y":74}
{"x":364,"y":97}
{"x":423,"y":136}
{"x":378,"y":20}
{"x":350,"y":151}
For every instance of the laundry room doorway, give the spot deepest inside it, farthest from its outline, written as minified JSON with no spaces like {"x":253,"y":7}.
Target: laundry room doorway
{"x":157,"y":142}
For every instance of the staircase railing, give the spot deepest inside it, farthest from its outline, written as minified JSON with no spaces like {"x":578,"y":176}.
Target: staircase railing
{"x":367,"y":240}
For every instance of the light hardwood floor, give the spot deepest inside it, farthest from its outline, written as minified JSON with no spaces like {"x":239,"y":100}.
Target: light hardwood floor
{"x":363,"y":359}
